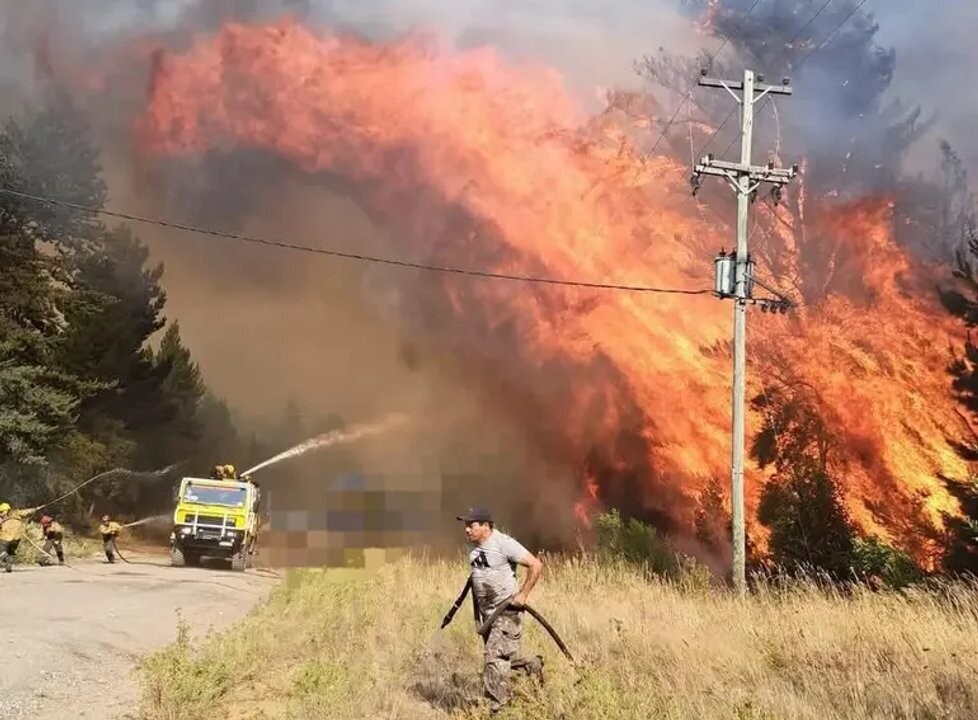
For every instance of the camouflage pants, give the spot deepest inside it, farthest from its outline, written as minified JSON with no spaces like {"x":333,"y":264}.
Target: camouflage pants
{"x":502,"y":656}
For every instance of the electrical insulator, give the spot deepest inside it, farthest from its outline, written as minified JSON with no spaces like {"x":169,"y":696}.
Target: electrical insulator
{"x":724,"y":267}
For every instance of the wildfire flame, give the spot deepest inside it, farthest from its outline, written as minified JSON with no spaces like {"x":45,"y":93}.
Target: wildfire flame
{"x":418,"y":131}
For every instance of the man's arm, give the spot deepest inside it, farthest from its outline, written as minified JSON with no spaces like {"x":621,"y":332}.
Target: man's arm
{"x":534,"y":568}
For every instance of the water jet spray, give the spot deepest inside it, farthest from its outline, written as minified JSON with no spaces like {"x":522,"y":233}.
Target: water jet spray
{"x":333,"y":437}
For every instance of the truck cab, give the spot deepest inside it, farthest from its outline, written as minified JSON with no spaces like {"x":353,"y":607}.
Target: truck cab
{"x":214,"y":518}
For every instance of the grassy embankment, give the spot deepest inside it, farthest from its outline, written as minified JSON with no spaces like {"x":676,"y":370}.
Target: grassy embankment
{"x":326,"y":645}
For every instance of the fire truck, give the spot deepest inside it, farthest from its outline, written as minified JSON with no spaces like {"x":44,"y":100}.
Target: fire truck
{"x":215,"y":518}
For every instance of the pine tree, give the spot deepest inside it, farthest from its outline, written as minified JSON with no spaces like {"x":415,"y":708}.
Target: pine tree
{"x":802,"y":504}
{"x":47,"y":151}
{"x":219,"y":438}
{"x":50,"y":153}
{"x":809,"y":526}
{"x":117,"y":305}
{"x":962,"y":530}
{"x":177,"y":436}
{"x":80,"y":388}
{"x":37,"y":407}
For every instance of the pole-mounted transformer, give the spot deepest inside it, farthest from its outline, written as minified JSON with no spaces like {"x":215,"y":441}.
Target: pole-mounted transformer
{"x":725,"y":276}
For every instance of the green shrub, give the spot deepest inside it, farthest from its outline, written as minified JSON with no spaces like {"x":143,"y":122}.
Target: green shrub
{"x":634,"y":543}
{"x":871,"y":557}
{"x":188,"y":677}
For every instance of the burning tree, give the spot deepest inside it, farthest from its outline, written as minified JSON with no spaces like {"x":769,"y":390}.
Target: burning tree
{"x":802,"y":504}
{"x":852,"y":143}
{"x":465,"y":159}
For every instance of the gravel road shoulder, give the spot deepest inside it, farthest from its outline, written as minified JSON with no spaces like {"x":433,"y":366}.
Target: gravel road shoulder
{"x":72,"y":636}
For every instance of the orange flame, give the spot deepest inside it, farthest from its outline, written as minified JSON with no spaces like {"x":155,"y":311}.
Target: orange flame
{"x":506,"y":145}
{"x":586,"y":508}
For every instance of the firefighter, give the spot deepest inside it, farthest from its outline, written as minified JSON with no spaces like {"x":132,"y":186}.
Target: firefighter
{"x":223,"y":472}
{"x":11,"y":533}
{"x":110,"y":531}
{"x":54,"y":536}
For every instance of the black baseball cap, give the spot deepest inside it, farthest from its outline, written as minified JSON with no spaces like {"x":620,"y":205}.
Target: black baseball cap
{"x":475,"y":514}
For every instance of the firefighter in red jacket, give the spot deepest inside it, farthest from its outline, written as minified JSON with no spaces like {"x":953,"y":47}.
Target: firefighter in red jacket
{"x":54,"y":536}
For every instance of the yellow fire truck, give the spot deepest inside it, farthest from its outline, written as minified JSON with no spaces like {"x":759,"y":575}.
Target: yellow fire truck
{"x":215,"y":518}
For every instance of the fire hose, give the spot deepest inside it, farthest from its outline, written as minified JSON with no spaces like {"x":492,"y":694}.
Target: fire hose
{"x":51,"y":557}
{"x":486,"y":626}
{"x":122,"y":557}
{"x":103,"y":475}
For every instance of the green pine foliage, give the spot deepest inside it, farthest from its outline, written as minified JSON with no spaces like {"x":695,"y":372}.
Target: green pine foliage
{"x":82,"y":389}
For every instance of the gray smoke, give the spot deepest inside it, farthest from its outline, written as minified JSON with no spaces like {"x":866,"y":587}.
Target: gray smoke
{"x":267,"y":326}
{"x":936,"y":58}
{"x":593,"y":43}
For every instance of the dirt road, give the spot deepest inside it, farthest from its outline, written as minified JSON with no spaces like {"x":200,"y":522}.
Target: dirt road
{"x":71,"y":637}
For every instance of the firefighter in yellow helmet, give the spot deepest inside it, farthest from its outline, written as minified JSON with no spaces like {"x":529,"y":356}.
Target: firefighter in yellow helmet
{"x":11,"y":532}
{"x":110,"y":530}
{"x":224,"y":472}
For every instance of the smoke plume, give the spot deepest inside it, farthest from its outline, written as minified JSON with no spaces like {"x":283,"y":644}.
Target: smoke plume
{"x":547,"y":392}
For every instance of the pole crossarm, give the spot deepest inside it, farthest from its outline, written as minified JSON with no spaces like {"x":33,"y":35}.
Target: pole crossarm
{"x":730,"y":85}
{"x":757,"y":173}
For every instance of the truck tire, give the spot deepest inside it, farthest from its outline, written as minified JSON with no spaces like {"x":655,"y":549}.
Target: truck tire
{"x":239,"y":560}
{"x":177,"y":558}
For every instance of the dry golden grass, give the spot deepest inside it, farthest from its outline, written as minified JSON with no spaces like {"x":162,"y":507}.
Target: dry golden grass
{"x":332,"y":645}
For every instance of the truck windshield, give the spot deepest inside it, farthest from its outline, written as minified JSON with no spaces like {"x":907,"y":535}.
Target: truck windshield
{"x":207,"y":495}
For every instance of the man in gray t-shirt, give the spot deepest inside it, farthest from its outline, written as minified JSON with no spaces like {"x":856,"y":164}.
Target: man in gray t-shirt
{"x":493,"y":559}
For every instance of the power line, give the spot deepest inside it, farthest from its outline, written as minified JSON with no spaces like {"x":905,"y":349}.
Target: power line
{"x":801,"y":61}
{"x":689,"y":92}
{"x":788,"y":44}
{"x":831,"y":34}
{"x":348,"y":255}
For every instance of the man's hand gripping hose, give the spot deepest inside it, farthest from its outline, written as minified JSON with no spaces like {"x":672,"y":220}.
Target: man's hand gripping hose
{"x":485,"y":627}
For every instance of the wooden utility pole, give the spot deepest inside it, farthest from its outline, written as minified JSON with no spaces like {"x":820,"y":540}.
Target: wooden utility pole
{"x":744,"y":179}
